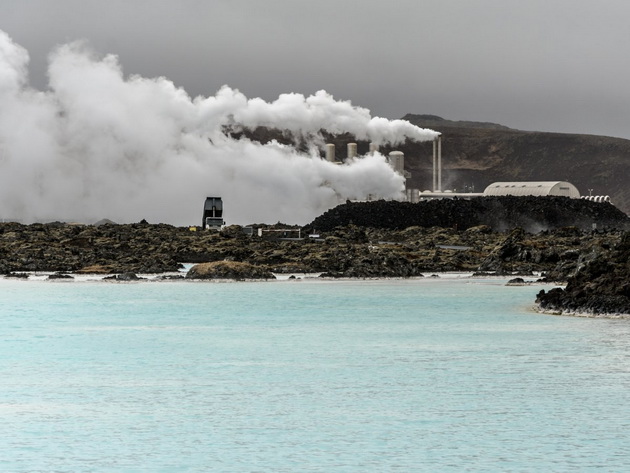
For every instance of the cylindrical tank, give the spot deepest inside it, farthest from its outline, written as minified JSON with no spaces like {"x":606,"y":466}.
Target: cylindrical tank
{"x":596,"y":198}
{"x":397,"y":161}
{"x":352,"y":150}
{"x":373,"y":148}
{"x":413,"y":195}
{"x":330,"y":152}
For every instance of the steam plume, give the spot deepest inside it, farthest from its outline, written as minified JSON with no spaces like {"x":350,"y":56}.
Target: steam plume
{"x":98,"y":144}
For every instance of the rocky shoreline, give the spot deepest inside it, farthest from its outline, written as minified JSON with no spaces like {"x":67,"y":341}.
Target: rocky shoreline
{"x":601,"y":286}
{"x":351,"y":251}
{"x":361,"y":240}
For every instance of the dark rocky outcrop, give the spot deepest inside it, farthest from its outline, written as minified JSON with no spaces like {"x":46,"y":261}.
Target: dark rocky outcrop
{"x":516,"y":282}
{"x":601,"y":285}
{"x":361,"y":240}
{"x":104,"y":249}
{"x":558,"y":253}
{"x":228,"y":270}
{"x":57,"y":276}
{"x":534,"y":214}
{"x":123,"y":277}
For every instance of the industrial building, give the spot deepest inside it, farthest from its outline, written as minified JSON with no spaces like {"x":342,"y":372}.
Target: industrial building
{"x":543,"y":188}
{"x":535,"y":188}
{"x":396,"y":160}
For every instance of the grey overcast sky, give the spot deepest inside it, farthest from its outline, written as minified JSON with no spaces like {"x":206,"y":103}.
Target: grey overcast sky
{"x":549,"y":65}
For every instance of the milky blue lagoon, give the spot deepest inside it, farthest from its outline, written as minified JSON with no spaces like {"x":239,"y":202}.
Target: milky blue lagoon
{"x":435,"y":375}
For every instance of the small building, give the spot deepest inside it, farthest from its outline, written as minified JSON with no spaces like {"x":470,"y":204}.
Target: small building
{"x":293,"y":233}
{"x":542,"y":188}
{"x":213,"y":214}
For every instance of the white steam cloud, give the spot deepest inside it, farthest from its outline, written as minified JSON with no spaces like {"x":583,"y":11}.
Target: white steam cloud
{"x":99,"y":145}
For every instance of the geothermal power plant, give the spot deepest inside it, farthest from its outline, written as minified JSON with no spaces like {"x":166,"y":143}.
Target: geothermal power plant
{"x":213,"y":207}
{"x":396,"y":160}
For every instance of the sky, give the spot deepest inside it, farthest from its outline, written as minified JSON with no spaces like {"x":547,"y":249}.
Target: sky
{"x":118,"y":109}
{"x":547,"y":65}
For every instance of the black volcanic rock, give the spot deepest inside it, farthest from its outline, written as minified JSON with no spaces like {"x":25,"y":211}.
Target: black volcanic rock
{"x":60,"y":276}
{"x":369,"y":239}
{"x":533,"y":214}
{"x":601,"y":286}
{"x":123,"y":277}
{"x":228,"y":270}
{"x":510,"y":249}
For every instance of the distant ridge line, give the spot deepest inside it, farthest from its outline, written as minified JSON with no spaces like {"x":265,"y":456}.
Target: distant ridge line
{"x":427,"y":120}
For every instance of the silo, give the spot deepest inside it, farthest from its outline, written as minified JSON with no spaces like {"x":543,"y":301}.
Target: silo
{"x":352,"y":150}
{"x":397,"y":161}
{"x":330,"y":152}
{"x":413,"y":195}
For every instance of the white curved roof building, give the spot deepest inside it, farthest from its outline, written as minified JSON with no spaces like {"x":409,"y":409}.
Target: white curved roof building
{"x":542,"y":188}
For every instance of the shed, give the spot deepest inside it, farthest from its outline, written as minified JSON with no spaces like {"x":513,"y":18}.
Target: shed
{"x":212,"y":214}
{"x":542,"y":188}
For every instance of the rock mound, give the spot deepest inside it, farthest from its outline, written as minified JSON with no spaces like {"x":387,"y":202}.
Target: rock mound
{"x":601,"y":286}
{"x":534,"y":214}
{"x":228,"y":270}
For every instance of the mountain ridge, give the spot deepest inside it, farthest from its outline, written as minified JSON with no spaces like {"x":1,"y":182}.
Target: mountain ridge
{"x":439,"y":121}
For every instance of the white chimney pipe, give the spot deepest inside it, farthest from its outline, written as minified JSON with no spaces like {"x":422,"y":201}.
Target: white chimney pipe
{"x":330,"y":152}
{"x":434,"y":165}
{"x":397,"y":161}
{"x":439,"y":143}
{"x":352,"y":150}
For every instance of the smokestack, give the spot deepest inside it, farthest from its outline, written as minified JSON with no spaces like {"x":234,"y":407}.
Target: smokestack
{"x":435,"y":164}
{"x":352,"y":150}
{"x":373,"y":148}
{"x":330,"y":153}
{"x":439,"y":153}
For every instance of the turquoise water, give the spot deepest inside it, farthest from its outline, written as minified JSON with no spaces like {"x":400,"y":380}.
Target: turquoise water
{"x":448,"y":375}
